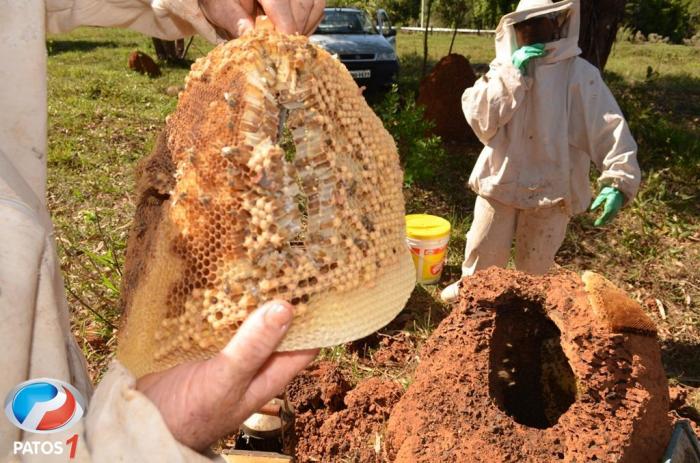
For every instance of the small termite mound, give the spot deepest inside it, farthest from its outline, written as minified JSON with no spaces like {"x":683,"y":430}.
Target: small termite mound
{"x":530,"y":377}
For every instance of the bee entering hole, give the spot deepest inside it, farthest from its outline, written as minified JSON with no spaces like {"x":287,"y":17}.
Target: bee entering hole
{"x":530,"y":377}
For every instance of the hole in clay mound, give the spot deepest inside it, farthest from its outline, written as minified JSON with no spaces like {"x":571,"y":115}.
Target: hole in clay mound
{"x":530,"y":377}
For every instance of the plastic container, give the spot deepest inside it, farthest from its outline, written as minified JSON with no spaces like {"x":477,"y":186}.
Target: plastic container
{"x":427,"y":237}
{"x":684,"y":446}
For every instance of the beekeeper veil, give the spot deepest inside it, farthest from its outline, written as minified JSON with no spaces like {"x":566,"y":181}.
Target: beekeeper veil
{"x":566,"y":16}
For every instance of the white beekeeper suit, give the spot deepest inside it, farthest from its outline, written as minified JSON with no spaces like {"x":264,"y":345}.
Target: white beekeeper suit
{"x":35,"y":337}
{"x":541,"y":131}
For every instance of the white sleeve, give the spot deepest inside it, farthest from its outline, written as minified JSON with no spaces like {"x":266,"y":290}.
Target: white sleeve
{"x":605,"y":134}
{"x":36,"y":341}
{"x":165,"y":19}
{"x":123,"y":425}
{"x":494,"y":98}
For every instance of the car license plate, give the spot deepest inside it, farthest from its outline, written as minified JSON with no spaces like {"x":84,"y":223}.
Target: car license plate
{"x":362,"y":74}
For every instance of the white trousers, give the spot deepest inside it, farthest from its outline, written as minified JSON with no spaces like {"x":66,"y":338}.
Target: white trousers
{"x":538,"y":234}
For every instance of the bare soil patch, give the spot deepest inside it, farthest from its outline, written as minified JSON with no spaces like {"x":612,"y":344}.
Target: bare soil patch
{"x":336,"y":423}
{"x":521,"y":370}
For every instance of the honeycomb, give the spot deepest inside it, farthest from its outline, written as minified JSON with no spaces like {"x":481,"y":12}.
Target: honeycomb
{"x":274,"y":180}
{"x":611,"y":304}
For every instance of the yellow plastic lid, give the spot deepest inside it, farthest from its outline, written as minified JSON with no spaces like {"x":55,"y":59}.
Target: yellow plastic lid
{"x":425,"y":226}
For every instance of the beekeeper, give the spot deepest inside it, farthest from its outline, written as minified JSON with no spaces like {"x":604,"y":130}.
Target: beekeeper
{"x":544,"y":114}
{"x":170,"y":416}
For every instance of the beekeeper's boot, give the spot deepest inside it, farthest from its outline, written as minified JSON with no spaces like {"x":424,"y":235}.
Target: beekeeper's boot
{"x":451,"y":293}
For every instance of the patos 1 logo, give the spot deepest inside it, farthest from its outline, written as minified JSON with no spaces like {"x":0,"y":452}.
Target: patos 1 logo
{"x":44,"y":406}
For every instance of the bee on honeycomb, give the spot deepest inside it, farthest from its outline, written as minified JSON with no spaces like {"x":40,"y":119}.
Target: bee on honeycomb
{"x":273,"y":179}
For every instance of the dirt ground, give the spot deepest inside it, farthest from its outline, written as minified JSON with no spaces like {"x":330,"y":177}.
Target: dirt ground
{"x":336,"y":423}
{"x":521,"y":370}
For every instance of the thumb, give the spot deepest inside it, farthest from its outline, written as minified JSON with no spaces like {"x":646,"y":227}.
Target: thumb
{"x":256,"y":340}
{"x":244,"y":25}
{"x":280,"y":13}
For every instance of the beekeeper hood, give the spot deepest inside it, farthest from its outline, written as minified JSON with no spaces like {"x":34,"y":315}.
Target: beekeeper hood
{"x":567,"y":14}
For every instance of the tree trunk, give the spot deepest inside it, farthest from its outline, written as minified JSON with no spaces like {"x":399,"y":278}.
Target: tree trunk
{"x":452,"y":42}
{"x":425,"y":39}
{"x":599,"y":22}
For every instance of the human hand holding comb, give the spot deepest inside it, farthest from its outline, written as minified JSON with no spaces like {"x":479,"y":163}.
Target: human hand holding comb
{"x":205,"y":400}
{"x":218,"y":231}
{"x":232,"y":18}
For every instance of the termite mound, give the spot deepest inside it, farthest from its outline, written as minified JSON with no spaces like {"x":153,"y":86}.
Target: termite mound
{"x":526,"y":369}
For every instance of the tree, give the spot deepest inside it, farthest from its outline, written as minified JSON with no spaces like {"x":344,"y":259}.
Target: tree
{"x":599,"y":22}
{"x":400,"y":11}
{"x":487,"y":13}
{"x":428,"y":9}
{"x":668,"y":18}
{"x":454,"y":12}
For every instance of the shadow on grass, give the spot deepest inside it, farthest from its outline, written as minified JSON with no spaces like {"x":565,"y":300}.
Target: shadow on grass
{"x":184,"y":63}
{"x":422,"y":313}
{"x":447,"y":193}
{"x":55,"y":47}
{"x":663,"y":114}
{"x":682,"y":361}
{"x":453,"y":272}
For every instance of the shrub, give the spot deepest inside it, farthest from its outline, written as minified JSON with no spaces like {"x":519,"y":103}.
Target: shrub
{"x":694,"y":41}
{"x":665,"y":18}
{"x":420,"y":153}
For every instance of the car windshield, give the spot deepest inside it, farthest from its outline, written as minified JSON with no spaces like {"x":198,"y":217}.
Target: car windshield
{"x":345,"y":22}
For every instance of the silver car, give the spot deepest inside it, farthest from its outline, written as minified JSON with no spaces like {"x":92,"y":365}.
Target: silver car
{"x":369,"y":56}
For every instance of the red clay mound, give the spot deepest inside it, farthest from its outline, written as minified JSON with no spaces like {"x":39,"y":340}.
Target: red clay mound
{"x":334,"y":423}
{"x":682,"y":408}
{"x":389,"y":350}
{"x":441,"y":94}
{"x":522,"y":370}
{"x":141,"y":62}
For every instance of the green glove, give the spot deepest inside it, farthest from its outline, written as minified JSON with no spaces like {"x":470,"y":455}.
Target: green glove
{"x":613,"y":199}
{"x":524,"y":54}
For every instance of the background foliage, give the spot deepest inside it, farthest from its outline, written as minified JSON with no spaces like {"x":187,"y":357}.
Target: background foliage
{"x":421,"y":154}
{"x":675,"y":19}
{"x":669,"y":18}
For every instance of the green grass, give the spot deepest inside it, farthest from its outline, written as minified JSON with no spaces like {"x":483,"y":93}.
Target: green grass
{"x":103,"y":118}
{"x":631,"y":60}
{"x":478,"y":48}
